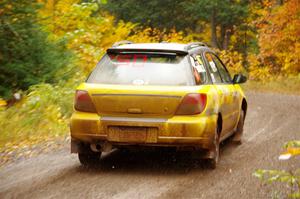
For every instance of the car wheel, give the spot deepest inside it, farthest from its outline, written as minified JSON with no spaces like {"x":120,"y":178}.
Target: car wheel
{"x":237,"y":138}
{"x":89,"y":157}
{"x":215,"y":152}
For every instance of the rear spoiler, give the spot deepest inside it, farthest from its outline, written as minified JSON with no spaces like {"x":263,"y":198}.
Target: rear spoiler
{"x":158,"y":51}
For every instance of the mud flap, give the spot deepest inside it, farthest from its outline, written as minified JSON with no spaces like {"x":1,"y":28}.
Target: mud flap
{"x":75,"y":146}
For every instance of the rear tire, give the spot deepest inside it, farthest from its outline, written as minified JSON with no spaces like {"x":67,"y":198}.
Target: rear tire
{"x":237,"y":138}
{"x":88,"y":158}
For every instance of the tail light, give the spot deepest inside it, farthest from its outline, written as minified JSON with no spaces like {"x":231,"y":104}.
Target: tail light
{"x":192,"y":104}
{"x":83,"y":102}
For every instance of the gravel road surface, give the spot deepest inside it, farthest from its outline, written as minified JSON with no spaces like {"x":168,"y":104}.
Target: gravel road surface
{"x":272,"y":120}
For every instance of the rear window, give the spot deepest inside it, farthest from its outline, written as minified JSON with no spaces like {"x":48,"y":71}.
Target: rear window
{"x":143,"y":69}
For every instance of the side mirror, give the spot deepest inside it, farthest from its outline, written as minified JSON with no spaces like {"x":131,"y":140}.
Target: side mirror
{"x":239,"y":79}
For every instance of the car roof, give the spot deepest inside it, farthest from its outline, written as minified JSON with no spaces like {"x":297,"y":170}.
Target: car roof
{"x":154,"y":46}
{"x":157,"y":47}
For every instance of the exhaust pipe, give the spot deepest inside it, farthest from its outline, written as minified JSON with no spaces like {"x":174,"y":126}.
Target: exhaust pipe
{"x":101,"y":147}
{"x":96,"y":147}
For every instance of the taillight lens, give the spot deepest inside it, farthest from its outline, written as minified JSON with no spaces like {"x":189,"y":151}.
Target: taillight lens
{"x":83,"y":102}
{"x":192,"y":104}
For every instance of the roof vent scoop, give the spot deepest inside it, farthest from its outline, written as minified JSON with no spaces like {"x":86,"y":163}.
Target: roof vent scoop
{"x":189,"y":46}
{"x":120,"y":43}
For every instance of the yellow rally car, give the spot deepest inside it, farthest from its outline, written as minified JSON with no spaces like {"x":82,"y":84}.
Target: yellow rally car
{"x":157,"y":94}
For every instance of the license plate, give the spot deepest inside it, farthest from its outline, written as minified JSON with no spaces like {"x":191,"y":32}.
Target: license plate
{"x":128,"y":134}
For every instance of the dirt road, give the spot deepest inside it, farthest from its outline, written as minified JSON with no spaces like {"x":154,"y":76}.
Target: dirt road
{"x":272,"y":120}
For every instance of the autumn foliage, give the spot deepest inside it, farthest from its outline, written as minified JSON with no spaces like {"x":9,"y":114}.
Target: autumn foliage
{"x":279,"y":38}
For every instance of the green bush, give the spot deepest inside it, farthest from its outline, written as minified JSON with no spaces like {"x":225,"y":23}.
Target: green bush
{"x":42,"y":114}
{"x":27,"y":57}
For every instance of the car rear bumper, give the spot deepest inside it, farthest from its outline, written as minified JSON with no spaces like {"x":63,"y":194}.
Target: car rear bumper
{"x":196,"y":131}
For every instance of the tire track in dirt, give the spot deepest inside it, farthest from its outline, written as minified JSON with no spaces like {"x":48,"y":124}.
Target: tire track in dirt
{"x":271,"y":120}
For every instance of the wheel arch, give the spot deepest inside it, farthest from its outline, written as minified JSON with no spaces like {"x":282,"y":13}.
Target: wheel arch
{"x":244,"y":106}
{"x":220,"y":123}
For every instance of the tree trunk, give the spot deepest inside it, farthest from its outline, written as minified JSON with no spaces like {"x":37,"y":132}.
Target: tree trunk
{"x":228,"y":34}
{"x":214,"y":39}
{"x":279,"y":2}
{"x":222,"y":38}
{"x":222,"y":41}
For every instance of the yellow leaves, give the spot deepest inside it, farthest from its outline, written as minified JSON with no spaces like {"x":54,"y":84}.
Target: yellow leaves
{"x":279,"y":37}
{"x":2,"y":102}
{"x":292,"y":149}
{"x":233,"y":61}
{"x":261,"y":73}
{"x":114,"y":33}
{"x":154,"y":35}
{"x":173,"y":36}
{"x":84,"y":32}
{"x":257,"y":71}
{"x":90,"y":35}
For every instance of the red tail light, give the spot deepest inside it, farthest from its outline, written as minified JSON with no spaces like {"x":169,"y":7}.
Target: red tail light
{"x":83,"y":102}
{"x":192,"y":104}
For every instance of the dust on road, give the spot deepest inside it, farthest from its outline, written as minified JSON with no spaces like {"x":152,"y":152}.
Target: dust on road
{"x":272,"y":120}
